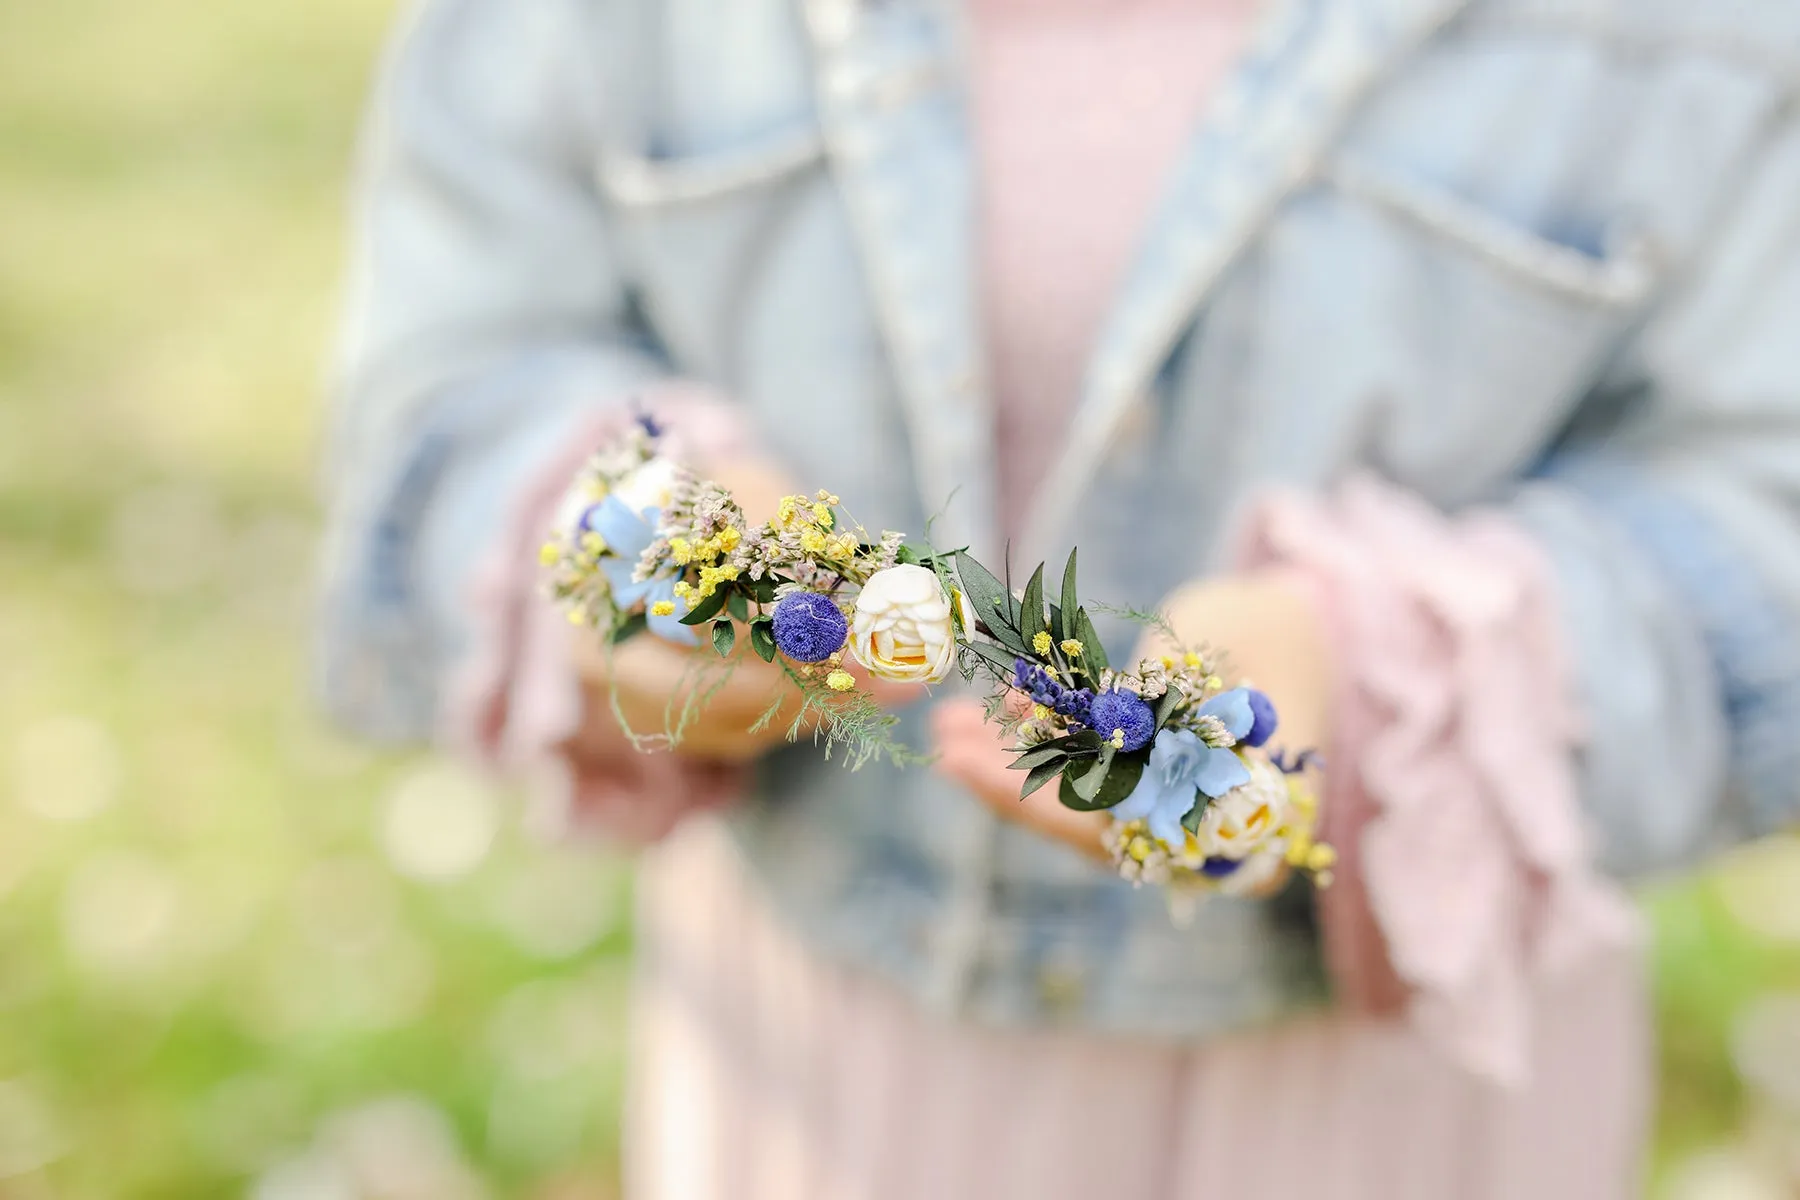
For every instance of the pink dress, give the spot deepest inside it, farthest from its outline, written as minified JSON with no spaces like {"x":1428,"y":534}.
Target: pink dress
{"x":761,"y":1072}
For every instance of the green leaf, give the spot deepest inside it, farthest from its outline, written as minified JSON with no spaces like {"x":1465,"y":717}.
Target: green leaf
{"x":908,"y":555}
{"x":630,"y":627}
{"x":1031,"y":611}
{"x":1093,"y":654}
{"x":708,"y":609}
{"x":1190,"y":821}
{"x":724,"y":637}
{"x":1071,"y":603}
{"x":1165,"y":708}
{"x":993,"y":603}
{"x":762,"y":590}
{"x":738,"y":605}
{"x":1038,"y":755}
{"x":1105,"y":784}
{"x":1087,"y":784}
{"x":1003,"y":661}
{"x":1040,"y":775}
{"x":762,"y":640}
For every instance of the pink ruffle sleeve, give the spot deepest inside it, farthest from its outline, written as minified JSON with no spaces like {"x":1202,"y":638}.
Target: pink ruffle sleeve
{"x":516,"y":704}
{"x":1466,"y":875}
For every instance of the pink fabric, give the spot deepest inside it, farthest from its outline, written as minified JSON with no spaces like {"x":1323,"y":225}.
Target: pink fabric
{"x":760,"y":1072}
{"x":1455,"y":753}
{"x":1078,"y":111}
{"x":518,"y":704}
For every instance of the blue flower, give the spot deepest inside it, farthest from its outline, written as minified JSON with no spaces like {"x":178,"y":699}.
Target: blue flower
{"x":1235,"y":710}
{"x":1035,"y":682}
{"x":1123,"y":712}
{"x":627,"y":535}
{"x":1181,"y":766}
{"x":1264,"y":719}
{"x":809,"y":627}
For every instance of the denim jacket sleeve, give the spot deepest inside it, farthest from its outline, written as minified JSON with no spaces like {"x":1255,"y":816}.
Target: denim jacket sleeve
{"x":1676,"y":535}
{"x":487,"y":318}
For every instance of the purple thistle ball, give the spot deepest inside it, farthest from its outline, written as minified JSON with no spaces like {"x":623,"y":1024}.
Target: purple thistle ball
{"x":1125,"y":712}
{"x":1262,"y":719}
{"x":809,"y":628}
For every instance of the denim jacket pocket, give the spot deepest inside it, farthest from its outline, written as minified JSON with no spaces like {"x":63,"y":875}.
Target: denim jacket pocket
{"x":1480,"y":336}
{"x":1621,"y":276}
{"x":637,"y":182}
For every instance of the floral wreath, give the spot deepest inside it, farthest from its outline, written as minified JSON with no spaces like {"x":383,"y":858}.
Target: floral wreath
{"x":1177,"y":759}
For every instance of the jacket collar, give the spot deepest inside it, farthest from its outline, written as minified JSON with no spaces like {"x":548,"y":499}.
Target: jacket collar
{"x":889,"y":85}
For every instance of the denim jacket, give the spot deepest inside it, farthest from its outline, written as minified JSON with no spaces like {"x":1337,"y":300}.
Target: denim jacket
{"x":1540,"y":254}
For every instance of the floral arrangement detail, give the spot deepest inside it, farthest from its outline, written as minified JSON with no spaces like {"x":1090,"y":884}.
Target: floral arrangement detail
{"x":1178,"y":760}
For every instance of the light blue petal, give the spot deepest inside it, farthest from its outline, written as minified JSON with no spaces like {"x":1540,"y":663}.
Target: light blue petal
{"x":1219,"y":772}
{"x":624,"y":532}
{"x":1165,"y":822}
{"x":627,"y":593}
{"x":670,"y":628}
{"x":1233,"y":709}
{"x":1142,"y":801}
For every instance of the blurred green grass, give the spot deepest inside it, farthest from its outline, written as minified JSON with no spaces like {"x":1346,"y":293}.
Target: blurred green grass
{"x":210,"y":971}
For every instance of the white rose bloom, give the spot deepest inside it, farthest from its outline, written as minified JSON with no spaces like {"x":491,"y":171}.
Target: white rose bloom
{"x":1247,"y":819}
{"x":902,"y":628}
{"x":650,"y":486}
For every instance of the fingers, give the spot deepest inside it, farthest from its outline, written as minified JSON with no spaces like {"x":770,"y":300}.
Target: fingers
{"x":971,"y":753}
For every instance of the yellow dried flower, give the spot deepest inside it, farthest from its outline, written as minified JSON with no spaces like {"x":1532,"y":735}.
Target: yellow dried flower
{"x":1040,"y":642}
{"x":1072,"y":647}
{"x":663,"y":608}
{"x":549,"y":553}
{"x":840,"y":681}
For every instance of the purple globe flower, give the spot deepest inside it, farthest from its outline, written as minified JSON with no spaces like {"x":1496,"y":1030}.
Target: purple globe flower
{"x":809,"y":627}
{"x":1263,"y":719}
{"x":1125,"y":713}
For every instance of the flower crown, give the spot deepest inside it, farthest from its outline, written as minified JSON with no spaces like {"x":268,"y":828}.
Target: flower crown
{"x":1175,"y":757}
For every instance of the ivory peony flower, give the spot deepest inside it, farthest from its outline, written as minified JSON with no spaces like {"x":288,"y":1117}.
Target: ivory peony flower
{"x":1246,"y":819}
{"x":902,"y":629}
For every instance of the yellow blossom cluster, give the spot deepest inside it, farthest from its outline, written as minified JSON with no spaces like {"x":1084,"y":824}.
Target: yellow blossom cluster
{"x":711,"y":549}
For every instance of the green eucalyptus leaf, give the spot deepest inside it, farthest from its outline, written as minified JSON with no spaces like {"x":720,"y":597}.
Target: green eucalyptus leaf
{"x":1038,"y":755}
{"x":1040,"y":775}
{"x":1031,"y":610}
{"x":1071,"y":603}
{"x":993,"y":605}
{"x":738,"y":605}
{"x":1093,"y":654}
{"x":630,"y":627}
{"x":762,"y":640}
{"x":1190,"y":821}
{"x":707,"y":610}
{"x":1165,"y":708}
{"x":1107,"y":783}
{"x":724,"y":637}
{"x":1087,"y":783}
{"x":762,"y":590}
{"x":1003,"y":660}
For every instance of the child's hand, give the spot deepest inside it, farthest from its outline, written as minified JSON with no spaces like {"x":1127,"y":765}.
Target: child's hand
{"x":971,"y":752}
{"x":652,"y":679}
{"x":1274,"y":639}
